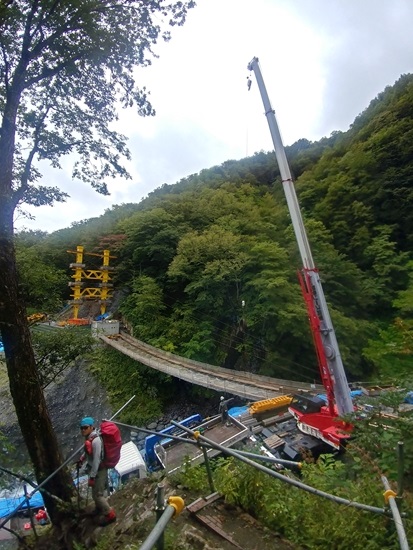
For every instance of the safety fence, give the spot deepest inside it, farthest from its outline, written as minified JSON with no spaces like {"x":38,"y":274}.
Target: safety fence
{"x":166,"y":511}
{"x":390,"y":509}
{"x":29,"y":496}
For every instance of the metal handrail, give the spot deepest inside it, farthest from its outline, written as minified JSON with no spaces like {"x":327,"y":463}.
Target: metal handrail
{"x":390,"y":495}
{"x":163,"y":514}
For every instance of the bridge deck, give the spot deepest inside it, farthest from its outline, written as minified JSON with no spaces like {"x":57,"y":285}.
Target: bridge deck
{"x":244,"y":384}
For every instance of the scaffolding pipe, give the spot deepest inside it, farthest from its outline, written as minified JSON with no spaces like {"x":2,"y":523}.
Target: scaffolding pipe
{"x":160,"y":508}
{"x":153,"y":432}
{"x":264,"y":469}
{"x":193,"y":442}
{"x":390,"y":495}
{"x":273,"y":459}
{"x":159,"y":528}
{"x":44,"y":482}
{"x":208,"y":468}
{"x":286,"y":479}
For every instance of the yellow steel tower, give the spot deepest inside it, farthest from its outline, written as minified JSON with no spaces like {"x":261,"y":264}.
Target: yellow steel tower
{"x":102,"y":291}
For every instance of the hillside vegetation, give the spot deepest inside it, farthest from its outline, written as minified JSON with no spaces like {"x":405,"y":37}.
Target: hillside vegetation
{"x":208,"y":265}
{"x":207,"y":268}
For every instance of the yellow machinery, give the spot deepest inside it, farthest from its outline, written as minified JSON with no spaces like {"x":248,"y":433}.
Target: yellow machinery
{"x":36,"y":318}
{"x":101,"y":292}
{"x":270,"y":404}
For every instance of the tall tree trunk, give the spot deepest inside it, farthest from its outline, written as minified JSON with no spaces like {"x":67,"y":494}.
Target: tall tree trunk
{"x":25,"y":388}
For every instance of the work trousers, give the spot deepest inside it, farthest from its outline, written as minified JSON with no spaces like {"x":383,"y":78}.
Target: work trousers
{"x":98,"y":491}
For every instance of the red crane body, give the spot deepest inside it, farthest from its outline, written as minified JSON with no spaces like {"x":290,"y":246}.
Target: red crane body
{"x":312,"y":415}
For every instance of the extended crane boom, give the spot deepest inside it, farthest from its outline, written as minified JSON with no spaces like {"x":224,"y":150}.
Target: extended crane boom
{"x":328,"y":353}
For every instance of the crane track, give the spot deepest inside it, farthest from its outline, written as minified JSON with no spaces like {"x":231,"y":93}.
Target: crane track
{"x":267,"y":384}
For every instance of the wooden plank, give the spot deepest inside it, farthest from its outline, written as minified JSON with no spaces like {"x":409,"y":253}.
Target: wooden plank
{"x":273,"y":442}
{"x":215,"y":525}
{"x":209,"y":520}
{"x":202,"y":502}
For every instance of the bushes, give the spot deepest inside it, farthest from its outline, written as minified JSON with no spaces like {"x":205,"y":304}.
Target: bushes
{"x":123,"y":377}
{"x":306,"y":519}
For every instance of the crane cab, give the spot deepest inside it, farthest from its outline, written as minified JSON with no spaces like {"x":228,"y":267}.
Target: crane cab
{"x":307,"y":404}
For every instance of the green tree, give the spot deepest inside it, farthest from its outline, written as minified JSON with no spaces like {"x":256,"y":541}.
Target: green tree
{"x":152,"y":238}
{"x":58,"y":349}
{"x":64,"y":69}
{"x":210,"y":264}
{"x":392,"y":350}
{"x":144,"y":308}
{"x":124,"y":377}
{"x":41,"y":283}
{"x":388,"y":266}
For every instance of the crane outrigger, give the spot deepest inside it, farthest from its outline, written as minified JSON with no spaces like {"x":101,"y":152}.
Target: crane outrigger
{"x":313,"y":417}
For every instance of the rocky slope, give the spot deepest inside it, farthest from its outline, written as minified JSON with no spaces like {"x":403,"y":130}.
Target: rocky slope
{"x":135,"y":504}
{"x":77,"y":394}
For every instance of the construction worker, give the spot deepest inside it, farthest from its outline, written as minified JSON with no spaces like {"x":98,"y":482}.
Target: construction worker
{"x":223,"y":410}
{"x":98,"y":473}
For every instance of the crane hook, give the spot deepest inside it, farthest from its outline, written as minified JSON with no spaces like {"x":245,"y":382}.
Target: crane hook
{"x":249,"y":82}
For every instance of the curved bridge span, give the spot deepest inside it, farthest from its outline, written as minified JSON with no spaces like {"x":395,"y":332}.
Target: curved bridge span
{"x":244,"y":384}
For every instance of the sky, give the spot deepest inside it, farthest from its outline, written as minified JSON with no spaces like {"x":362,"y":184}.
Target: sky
{"x":322,"y":61}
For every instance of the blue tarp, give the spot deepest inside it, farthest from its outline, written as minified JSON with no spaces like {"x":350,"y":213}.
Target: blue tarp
{"x":102,"y":317}
{"x":409,"y":398}
{"x":237,"y":411}
{"x":353,"y":394}
{"x":8,"y":505}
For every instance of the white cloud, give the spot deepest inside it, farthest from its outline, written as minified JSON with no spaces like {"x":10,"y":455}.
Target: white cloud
{"x":322,"y":61}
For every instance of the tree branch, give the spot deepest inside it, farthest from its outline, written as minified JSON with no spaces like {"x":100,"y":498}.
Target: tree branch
{"x":24,"y":180}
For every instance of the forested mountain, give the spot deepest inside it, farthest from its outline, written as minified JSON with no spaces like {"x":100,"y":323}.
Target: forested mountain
{"x":208,"y":265}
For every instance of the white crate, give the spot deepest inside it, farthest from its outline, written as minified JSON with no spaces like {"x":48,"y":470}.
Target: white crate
{"x":105,"y":327}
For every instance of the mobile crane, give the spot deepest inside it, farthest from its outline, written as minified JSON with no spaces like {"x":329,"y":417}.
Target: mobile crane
{"x":313,"y":416}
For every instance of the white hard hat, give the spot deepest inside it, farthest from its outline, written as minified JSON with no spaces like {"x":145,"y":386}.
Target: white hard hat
{"x":222,"y":398}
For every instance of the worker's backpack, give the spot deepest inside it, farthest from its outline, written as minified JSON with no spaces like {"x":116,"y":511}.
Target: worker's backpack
{"x":112,"y":443}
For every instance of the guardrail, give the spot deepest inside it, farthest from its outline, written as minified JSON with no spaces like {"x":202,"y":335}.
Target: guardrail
{"x":164,"y":513}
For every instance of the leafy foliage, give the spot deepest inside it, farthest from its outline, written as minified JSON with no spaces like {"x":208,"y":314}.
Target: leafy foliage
{"x":192,"y":477}
{"x":42,"y":283}
{"x":68,"y":67}
{"x":379,"y":428}
{"x":124,"y":377}
{"x":191,"y":254}
{"x":144,"y":308}
{"x":322,"y":522}
{"x":59,"y":349}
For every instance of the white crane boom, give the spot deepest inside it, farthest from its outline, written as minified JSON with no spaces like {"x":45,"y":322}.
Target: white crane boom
{"x":331,"y":365}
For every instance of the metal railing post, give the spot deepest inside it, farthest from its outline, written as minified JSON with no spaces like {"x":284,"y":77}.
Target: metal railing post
{"x":400,"y":468}
{"x":389,"y":496}
{"x":174,"y":507}
{"x":160,"y":508}
{"x":208,"y":468}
